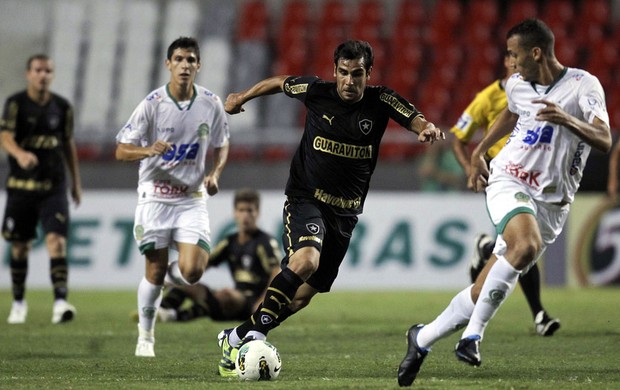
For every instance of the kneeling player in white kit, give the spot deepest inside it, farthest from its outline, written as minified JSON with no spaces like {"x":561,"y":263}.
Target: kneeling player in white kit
{"x":169,"y":132}
{"x":556,"y":114}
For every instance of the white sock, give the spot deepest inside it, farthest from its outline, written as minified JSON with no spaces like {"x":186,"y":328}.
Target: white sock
{"x":149,"y":298}
{"x":233,"y":338}
{"x":174,"y":275}
{"x":453,"y":318}
{"x":256,"y":335}
{"x":500,"y":282}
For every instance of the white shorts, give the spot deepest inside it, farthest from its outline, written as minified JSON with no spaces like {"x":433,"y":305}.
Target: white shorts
{"x":505,"y":199}
{"x":161,"y":225}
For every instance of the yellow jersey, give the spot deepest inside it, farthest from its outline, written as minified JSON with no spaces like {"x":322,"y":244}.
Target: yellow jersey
{"x":482,"y":112}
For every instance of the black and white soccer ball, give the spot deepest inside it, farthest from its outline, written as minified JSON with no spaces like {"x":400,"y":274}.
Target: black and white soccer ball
{"x":258,"y":360}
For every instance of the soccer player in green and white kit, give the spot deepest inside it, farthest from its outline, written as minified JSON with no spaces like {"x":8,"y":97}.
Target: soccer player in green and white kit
{"x":169,"y":133}
{"x":555,"y":116}
{"x":329,"y":179}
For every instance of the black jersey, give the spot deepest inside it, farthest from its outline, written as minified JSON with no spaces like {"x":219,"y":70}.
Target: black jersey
{"x":42,"y":130}
{"x":250,"y":264}
{"x":340,"y":145}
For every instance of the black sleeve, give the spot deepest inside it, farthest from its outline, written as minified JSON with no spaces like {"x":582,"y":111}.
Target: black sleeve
{"x":9,"y":116}
{"x":218,"y":254}
{"x":398,"y":108}
{"x":298,"y":86}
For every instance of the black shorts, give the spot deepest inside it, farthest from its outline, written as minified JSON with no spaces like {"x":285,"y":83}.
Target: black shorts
{"x":309,"y":223}
{"x":24,"y":211}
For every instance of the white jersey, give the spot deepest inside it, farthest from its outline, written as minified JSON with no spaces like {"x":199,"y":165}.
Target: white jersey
{"x":548,"y":159}
{"x":190,"y":127}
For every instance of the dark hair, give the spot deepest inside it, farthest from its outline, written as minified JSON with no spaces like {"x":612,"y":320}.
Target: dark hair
{"x":40,"y":56}
{"x":247,"y":195}
{"x":184,"y":43}
{"x":534,"y":33}
{"x":351,"y":50}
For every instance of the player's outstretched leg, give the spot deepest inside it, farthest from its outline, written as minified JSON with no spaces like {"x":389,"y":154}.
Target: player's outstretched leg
{"x":226,"y":368}
{"x":410,"y":366}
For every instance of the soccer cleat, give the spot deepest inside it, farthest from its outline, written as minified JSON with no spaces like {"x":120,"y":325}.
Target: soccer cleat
{"x":545,"y":325}
{"x":468,"y":350}
{"x":19,"y":312}
{"x":63,"y":312}
{"x":481,"y":255}
{"x":226,"y":368}
{"x":166,"y":315}
{"x":410,"y":366}
{"x":146,"y":343}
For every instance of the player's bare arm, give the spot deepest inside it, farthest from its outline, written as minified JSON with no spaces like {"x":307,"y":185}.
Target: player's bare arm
{"x":220,"y":158}
{"x":26,"y":160}
{"x":235,"y":101}
{"x":426,"y":131}
{"x":479,"y":172}
{"x":612,"y":181}
{"x":459,"y":148}
{"x":595,"y":134}
{"x":130,"y":152}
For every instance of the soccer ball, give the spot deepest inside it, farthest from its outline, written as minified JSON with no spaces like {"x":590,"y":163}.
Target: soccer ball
{"x":258,"y":360}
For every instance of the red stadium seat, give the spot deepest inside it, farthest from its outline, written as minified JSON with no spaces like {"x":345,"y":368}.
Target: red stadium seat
{"x":253,"y":21}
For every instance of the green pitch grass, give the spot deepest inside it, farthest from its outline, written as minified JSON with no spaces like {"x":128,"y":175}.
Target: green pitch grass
{"x":344,"y":340}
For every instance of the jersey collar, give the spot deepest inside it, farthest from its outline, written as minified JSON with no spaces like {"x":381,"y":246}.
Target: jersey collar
{"x":557,"y":79}
{"x":175,"y":100}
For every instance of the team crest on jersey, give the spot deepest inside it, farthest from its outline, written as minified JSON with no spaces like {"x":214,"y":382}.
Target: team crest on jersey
{"x":246,"y":261}
{"x":521,"y":197}
{"x":139,"y":232}
{"x":54,"y":121}
{"x":365,"y":126}
{"x":203,"y":130}
{"x":313,"y":228}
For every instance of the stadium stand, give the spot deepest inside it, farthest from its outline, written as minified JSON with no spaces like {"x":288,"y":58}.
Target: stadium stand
{"x":438,"y":54}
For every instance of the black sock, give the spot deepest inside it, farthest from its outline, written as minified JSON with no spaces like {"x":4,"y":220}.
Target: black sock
{"x":59,"y":274}
{"x":283,"y":315}
{"x":280,"y":293}
{"x":173,"y":299}
{"x":530,"y":284}
{"x":19,"y":271}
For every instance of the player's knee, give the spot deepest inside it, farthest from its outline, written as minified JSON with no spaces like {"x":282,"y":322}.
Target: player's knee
{"x":20,"y":250}
{"x":191,"y":273}
{"x":525,"y":251}
{"x":56,"y":245}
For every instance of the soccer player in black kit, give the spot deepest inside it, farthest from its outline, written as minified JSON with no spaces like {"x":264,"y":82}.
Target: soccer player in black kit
{"x":253,"y":258}
{"x":37,"y":132}
{"x":329,"y":179}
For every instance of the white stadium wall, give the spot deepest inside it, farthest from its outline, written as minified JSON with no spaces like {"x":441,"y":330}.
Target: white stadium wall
{"x":402,"y":241}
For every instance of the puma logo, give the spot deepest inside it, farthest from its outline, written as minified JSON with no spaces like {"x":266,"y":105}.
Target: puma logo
{"x":280,"y":304}
{"x":328,"y":119}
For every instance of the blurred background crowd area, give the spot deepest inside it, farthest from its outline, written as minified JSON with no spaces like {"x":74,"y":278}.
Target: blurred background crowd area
{"x":438,"y":54}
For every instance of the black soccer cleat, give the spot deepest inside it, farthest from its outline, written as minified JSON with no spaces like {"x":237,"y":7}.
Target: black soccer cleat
{"x":468,"y":350}
{"x":410,"y":366}
{"x":545,"y":325}
{"x":483,"y":242}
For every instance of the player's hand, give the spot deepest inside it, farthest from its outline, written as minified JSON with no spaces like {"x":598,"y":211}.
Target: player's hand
{"x":478,"y":174}
{"x":212,"y":185}
{"x":551,"y":112}
{"x":27,"y":160}
{"x":234,"y":103}
{"x":159,"y":147}
{"x":431,"y":134}
{"x":76,"y":195}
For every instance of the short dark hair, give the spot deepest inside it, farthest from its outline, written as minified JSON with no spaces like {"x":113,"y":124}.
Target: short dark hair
{"x":247,"y":195}
{"x":353,"y":49}
{"x":534,"y":33}
{"x":184,"y":43}
{"x":40,"y":56}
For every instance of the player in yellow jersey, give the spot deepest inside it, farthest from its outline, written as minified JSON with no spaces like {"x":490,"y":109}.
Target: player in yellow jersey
{"x":481,"y":114}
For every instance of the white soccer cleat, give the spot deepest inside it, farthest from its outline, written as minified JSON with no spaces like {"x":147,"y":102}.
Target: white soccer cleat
{"x":166,"y":315}
{"x":63,"y":312}
{"x":19,"y":312}
{"x":146,"y":343}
